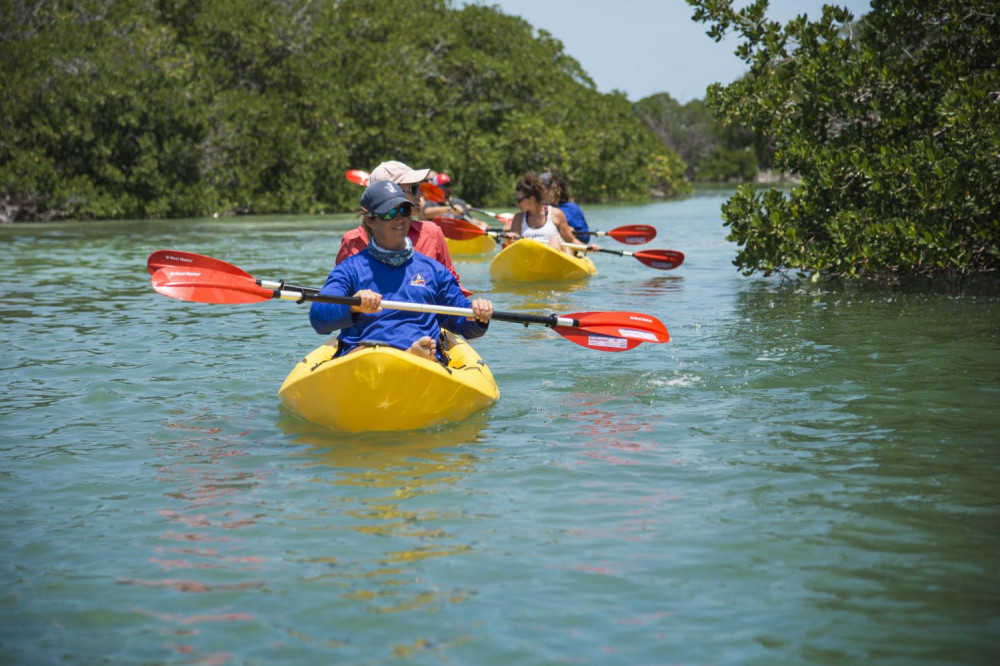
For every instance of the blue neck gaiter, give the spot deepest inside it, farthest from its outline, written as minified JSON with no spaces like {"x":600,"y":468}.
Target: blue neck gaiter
{"x":391,"y":257}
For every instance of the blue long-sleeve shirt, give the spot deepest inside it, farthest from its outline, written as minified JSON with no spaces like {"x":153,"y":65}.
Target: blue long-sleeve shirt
{"x":574,"y":215}
{"x":420,"y":280}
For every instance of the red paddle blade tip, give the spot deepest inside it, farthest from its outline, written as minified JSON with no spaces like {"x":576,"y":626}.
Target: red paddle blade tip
{"x":166,"y":258}
{"x":456,"y":229}
{"x":180,"y":259}
{"x":203,"y":285}
{"x":357,"y":176}
{"x":633,"y":234}
{"x":663,"y":259}
{"x":432,"y":192}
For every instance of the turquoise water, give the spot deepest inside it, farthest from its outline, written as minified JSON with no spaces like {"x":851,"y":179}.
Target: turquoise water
{"x":804,"y":474}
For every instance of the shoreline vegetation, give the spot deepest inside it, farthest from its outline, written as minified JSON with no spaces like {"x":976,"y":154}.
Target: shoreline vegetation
{"x":179,"y":109}
{"x":889,"y":120}
{"x":173,"y":109}
{"x":880,"y":131}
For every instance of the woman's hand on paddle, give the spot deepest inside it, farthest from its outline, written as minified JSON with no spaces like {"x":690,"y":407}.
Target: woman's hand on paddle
{"x":482,"y":310}
{"x":370,"y":302}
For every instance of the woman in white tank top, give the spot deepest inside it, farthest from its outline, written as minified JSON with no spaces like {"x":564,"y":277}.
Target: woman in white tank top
{"x":546,"y":224}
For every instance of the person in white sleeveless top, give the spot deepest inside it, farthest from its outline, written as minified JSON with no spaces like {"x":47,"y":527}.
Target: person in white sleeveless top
{"x":538,"y":221}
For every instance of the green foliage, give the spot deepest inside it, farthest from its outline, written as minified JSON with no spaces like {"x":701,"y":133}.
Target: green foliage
{"x":726,"y":165}
{"x":667,"y":172}
{"x":893,"y":125}
{"x":165,"y":108}
{"x":711,"y":150}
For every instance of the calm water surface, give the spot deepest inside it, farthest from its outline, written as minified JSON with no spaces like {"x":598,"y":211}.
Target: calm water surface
{"x":804,"y":474}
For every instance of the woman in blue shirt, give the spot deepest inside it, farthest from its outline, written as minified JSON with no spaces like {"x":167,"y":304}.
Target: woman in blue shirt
{"x":390,"y":268}
{"x":559,"y":194}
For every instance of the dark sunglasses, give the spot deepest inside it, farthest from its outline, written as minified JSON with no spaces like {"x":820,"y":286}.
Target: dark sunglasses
{"x":410,"y":189}
{"x":402,"y":209}
{"x":518,"y":198}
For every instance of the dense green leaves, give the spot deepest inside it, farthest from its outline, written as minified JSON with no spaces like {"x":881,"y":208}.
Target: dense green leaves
{"x":164,"y":108}
{"x":893,"y":125}
{"x":711,"y":150}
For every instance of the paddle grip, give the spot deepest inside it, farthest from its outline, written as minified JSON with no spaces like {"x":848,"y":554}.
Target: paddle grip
{"x":587,"y":248}
{"x":302,"y":294}
{"x":545,"y":320}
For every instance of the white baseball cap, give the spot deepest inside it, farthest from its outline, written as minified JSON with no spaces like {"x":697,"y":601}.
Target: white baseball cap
{"x":397,"y":172}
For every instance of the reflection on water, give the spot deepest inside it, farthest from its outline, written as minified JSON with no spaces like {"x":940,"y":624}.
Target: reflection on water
{"x":391,"y":479}
{"x":611,"y":432}
{"x":655,"y":286}
{"x":483,"y":258}
{"x":541,"y":292}
{"x":378,"y":450}
{"x":203,"y":552}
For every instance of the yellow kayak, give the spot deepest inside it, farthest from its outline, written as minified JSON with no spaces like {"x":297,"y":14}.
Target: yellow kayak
{"x":527,"y":260}
{"x":383,"y":388}
{"x":478,"y":245}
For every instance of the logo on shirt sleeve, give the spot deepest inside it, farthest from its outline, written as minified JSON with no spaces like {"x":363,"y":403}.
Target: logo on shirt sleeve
{"x":418,"y":281}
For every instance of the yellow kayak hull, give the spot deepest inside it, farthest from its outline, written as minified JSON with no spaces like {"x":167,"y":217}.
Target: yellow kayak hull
{"x":473,"y":246}
{"x":528,"y":260}
{"x":382,"y":388}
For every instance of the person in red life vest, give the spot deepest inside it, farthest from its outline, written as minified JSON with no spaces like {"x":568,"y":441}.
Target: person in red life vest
{"x":427,"y":237}
{"x":389,"y":267}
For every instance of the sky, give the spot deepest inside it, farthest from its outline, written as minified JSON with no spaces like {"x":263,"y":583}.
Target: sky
{"x":644,"y":47}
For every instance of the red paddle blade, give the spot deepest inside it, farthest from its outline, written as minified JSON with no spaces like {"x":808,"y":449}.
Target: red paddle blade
{"x":637,"y":325}
{"x":179,"y":259}
{"x":633,"y":234}
{"x":204,"y":285}
{"x":357,"y":176}
{"x":432,"y":192}
{"x":614,"y":331}
{"x":662,"y":259}
{"x":456,"y":229}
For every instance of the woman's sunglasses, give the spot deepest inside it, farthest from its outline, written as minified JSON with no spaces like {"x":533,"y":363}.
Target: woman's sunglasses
{"x":402,"y":209}
{"x":410,"y":189}
{"x":518,"y":198}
